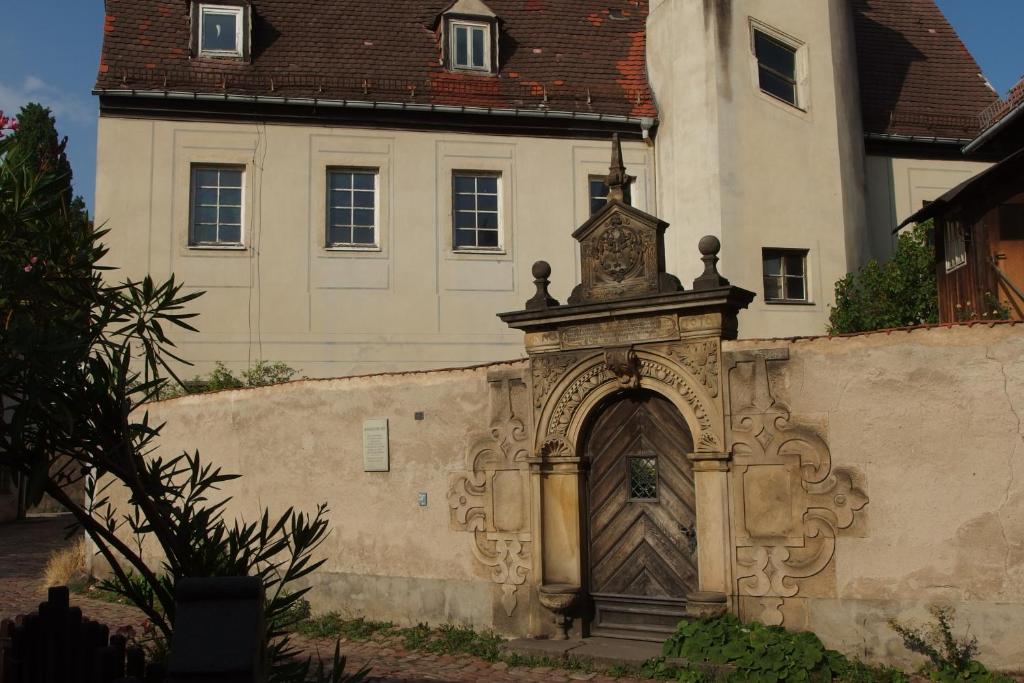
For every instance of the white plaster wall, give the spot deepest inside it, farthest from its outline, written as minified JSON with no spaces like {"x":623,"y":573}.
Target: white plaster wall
{"x":897,"y":187}
{"x":414,"y":304}
{"x":735,"y":162}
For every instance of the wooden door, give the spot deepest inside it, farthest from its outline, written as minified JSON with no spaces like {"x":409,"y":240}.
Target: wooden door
{"x":641,"y":517}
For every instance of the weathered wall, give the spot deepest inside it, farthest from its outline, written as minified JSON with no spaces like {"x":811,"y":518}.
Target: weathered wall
{"x":301,"y":444}
{"x":921,"y":432}
{"x":928,"y":423}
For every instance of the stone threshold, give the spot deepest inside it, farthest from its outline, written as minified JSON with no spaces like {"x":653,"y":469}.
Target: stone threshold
{"x":595,"y":650}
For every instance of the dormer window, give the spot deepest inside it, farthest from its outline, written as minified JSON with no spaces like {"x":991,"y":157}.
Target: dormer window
{"x":221,"y":30}
{"x":471,"y":46}
{"x":469,"y":37}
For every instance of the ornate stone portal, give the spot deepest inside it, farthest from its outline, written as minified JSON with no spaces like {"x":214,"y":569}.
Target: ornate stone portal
{"x":766,"y":501}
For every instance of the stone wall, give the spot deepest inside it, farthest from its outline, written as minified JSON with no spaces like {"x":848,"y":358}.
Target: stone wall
{"x":870,"y":476}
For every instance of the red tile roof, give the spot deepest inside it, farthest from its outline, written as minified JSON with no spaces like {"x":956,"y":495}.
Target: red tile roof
{"x":916,"y":76}
{"x":567,"y":55}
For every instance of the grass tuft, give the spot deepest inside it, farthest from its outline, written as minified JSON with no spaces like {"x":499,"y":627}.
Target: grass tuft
{"x":66,"y":566}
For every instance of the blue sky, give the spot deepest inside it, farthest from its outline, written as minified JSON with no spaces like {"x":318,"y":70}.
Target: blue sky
{"x":51,"y":51}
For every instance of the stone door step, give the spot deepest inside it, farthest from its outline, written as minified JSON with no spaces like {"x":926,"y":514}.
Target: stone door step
{"x":608,"y":651}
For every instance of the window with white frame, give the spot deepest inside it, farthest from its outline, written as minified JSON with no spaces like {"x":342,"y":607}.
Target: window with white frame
{"x":954,"y":245}
{"x":216,"y":216}
{"x":777,"y":66}
{"x":470,"y":45}
{"x":475,"y":210}
{"x":221,"y":30}
{"x":598,"y":190}
{"x":352,"y":214}
{"x":785,"y":275}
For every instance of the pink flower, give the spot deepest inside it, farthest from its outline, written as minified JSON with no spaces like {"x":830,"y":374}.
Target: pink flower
{"x":28,"y":269}
{"x":33,"y":260}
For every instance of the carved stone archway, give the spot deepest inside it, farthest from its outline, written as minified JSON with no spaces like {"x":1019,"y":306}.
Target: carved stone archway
{"x":628,"y":324}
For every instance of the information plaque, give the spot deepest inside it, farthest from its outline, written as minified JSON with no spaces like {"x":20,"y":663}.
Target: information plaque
{"x":376,"y":457}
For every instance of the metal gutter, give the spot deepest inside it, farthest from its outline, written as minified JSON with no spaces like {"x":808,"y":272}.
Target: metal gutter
{"x":644,"y":122}
{"x":892,"y":137}
{"x":992,"y":130}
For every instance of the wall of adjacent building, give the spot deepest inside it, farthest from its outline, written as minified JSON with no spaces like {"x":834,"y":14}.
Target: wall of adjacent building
{"x":412,"y":304}
{"x":897,"y":187}
{"x":926,"y":422}
{"x":738,"y":163}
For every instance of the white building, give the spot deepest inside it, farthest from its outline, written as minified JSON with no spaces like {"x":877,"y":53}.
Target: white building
{"x":361,"y":186}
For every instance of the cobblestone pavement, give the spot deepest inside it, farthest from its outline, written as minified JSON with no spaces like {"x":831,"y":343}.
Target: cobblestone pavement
{"x":26,"y":545}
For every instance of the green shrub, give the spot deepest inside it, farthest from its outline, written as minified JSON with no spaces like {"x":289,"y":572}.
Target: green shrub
{"x":900,"y":292}
{"x":755,"y":652}
{"x":949,"y":658}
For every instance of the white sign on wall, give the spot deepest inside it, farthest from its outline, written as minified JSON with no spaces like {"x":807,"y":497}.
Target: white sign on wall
{"x":376,"y":457}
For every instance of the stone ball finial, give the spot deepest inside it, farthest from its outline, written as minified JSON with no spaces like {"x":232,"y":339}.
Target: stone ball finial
{"x":541,"y":270}
{"x":541,"y":300}
{"x":709,"y":245}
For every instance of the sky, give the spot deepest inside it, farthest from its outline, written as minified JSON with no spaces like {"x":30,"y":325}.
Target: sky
{"x":51,"y":50}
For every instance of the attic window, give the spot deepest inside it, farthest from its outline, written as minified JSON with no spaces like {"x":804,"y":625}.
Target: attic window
{"x":221,"y":30}
{"x":470,"y":45}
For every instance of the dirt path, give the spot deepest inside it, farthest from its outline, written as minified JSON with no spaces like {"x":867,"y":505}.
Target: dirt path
{"x":26,"y":545}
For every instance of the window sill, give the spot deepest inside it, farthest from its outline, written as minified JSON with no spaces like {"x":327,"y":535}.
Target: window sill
{"x":217,"y":247}
{"x":353,"y":248}
{"x":207,"y":54}
{"x":788,"y":302}
{"x":480,"y":251}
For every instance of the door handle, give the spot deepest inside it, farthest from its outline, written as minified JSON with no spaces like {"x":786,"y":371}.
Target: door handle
{"x":691,"y":536}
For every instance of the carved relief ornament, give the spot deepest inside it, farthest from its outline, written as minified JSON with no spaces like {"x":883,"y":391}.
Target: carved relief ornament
{"x":490,"y":499}
{"x":791,"y":503}
{"x":624,"y":368}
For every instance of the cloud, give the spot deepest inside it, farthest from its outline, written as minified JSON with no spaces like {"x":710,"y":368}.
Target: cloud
{"x":68,"y":109}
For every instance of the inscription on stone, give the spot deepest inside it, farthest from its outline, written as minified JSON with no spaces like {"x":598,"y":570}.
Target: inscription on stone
{"x":376,"y":455}
{"x":616,"y":332}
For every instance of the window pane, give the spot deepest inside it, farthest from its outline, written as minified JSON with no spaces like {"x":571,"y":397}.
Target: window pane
{"x":465,"y":184}
{"x":487,"y":221}
{"x":465,"y":219}
{"x":204,"y":233}
{"x":341,"y":198}
{"x":487,"y":202}
{"x":363,"y":199}
{"x":206,"y":177}
{"x":229,"y":178}
{"x":598,"y":195}
{"x":219,"y":31}
{"x":487,"y":183}
{"x":362,"y":236}
{"x":795,"y":288}
{"x":206,"y":195}
{"x":206,"y":214}
{"x":230,"y":214}
{"x":643,"y":478}
{"x":231,"y":197}
{"x":775,"y":55}
{"x":465,"y":202}
{"x":340,"y":180}
{"x":478,"y":47}
{"x":772,"y":288}
{"x":231,"y":234}
{"x":487,"y":238}
{"x":794,"y":264}
{"x":339,"y":235}
{"x":461,"y":46}
{"x":362,"y":181}
{"x":362,"y":217}
{"x":465,"y":238}
{"x":774,"y":85}
{"x":772,"y":264}
{"x":341,"y":216}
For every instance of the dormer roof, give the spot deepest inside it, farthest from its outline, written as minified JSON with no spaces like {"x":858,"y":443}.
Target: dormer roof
{"x":471,"y":8}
